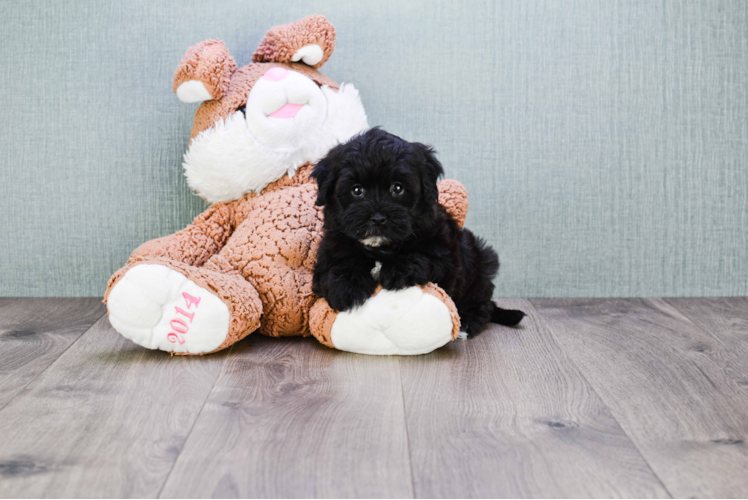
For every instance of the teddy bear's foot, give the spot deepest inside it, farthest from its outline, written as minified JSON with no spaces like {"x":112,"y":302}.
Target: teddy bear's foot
{"x":415,"y":320}
{"x":159,"y":308}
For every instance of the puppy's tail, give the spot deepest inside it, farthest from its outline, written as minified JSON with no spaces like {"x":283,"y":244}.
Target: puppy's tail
{"x":506,"y":317}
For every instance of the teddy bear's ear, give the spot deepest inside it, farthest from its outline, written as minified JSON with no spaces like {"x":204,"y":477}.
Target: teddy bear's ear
{"x":204,"y":72}
{"x":310,"y":40}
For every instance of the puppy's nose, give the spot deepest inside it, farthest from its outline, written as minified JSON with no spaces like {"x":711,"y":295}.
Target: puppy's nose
{"x":378,"y":219}
{"x":276,"y":74}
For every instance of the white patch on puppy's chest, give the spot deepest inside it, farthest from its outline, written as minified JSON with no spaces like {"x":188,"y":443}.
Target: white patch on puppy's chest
{"x":376,"y":269}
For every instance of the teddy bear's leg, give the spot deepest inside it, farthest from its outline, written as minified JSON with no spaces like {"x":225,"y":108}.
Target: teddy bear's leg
{"x":182,"y":309}
{"x":415,"y":320}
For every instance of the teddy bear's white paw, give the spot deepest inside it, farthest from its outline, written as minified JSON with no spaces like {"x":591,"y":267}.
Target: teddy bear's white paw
{"x":401,"y":322}
{"x":159,"y":308}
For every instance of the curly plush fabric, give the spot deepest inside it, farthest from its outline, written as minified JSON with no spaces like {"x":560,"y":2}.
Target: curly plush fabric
{"x":241,"y":84}
{"x":282,"y":42}
{"x":196,"y":243}
{"x":274,"y":248}
{"x":454,"y":198}
{"x":261,"y":247}
{"x":208,"y":62}
{"x":440,"y":294}
{"x":321,"y":319}
{"x":257,"y":253}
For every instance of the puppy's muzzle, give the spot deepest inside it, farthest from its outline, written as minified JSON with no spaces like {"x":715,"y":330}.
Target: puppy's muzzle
{"x":378,"y":219}
{"x":375,"y":241}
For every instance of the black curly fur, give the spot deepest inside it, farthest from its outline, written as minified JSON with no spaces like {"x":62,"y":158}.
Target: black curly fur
{"x":424,"y":243}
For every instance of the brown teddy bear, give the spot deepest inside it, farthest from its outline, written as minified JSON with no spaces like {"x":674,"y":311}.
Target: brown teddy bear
{"x":245,"y":264}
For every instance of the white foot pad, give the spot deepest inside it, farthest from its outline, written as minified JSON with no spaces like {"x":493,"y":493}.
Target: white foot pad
{"x":158,"y":308}
{"x":400,"y":322}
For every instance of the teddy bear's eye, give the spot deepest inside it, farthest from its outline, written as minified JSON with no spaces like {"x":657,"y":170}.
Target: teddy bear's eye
{"x":397,"y":189}
{"x":357,"y":191}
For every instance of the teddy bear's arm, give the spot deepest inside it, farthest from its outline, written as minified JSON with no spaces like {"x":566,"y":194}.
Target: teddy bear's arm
{"x":196,"y":243}
{"x":310,"y":40}
{"x":454,"y":198}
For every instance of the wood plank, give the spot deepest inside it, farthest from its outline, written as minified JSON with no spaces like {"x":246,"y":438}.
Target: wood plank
{"x":34,"y":332}
{"x":725,"y":319}
{"x":107,"y":419}
{"x":675,"y":388}
{"x":289,"y":417}
{"x":507,"y":414}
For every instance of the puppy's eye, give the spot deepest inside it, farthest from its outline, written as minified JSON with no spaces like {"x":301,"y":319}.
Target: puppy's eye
{"x":397,"y":189}
{"x":357,"y":191}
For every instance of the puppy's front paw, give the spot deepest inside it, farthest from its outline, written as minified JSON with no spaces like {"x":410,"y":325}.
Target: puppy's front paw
{"x":342,"y":301}
{"x":349,"y":291}
{"x":403,"y":274}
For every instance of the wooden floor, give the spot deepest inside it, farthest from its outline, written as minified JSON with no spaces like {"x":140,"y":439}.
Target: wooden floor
{"x":590,"y":398}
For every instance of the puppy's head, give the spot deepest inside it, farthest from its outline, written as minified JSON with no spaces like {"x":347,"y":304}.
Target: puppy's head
{"x":377,"y":188}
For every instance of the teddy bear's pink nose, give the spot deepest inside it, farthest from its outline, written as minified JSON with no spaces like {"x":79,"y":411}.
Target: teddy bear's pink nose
{"x":276,"y":74}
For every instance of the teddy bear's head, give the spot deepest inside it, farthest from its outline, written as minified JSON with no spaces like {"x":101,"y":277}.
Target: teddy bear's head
{"x":261,"y":121}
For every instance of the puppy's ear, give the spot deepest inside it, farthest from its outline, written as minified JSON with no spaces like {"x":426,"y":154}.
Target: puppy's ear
{"x":324,"y":174}
{"x":431,"y":170}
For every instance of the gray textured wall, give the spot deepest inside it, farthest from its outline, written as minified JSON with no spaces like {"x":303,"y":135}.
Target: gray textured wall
{"x":604,"y":143}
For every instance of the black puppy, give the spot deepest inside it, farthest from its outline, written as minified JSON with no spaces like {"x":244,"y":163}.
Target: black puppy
{"x":380,"y":199}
